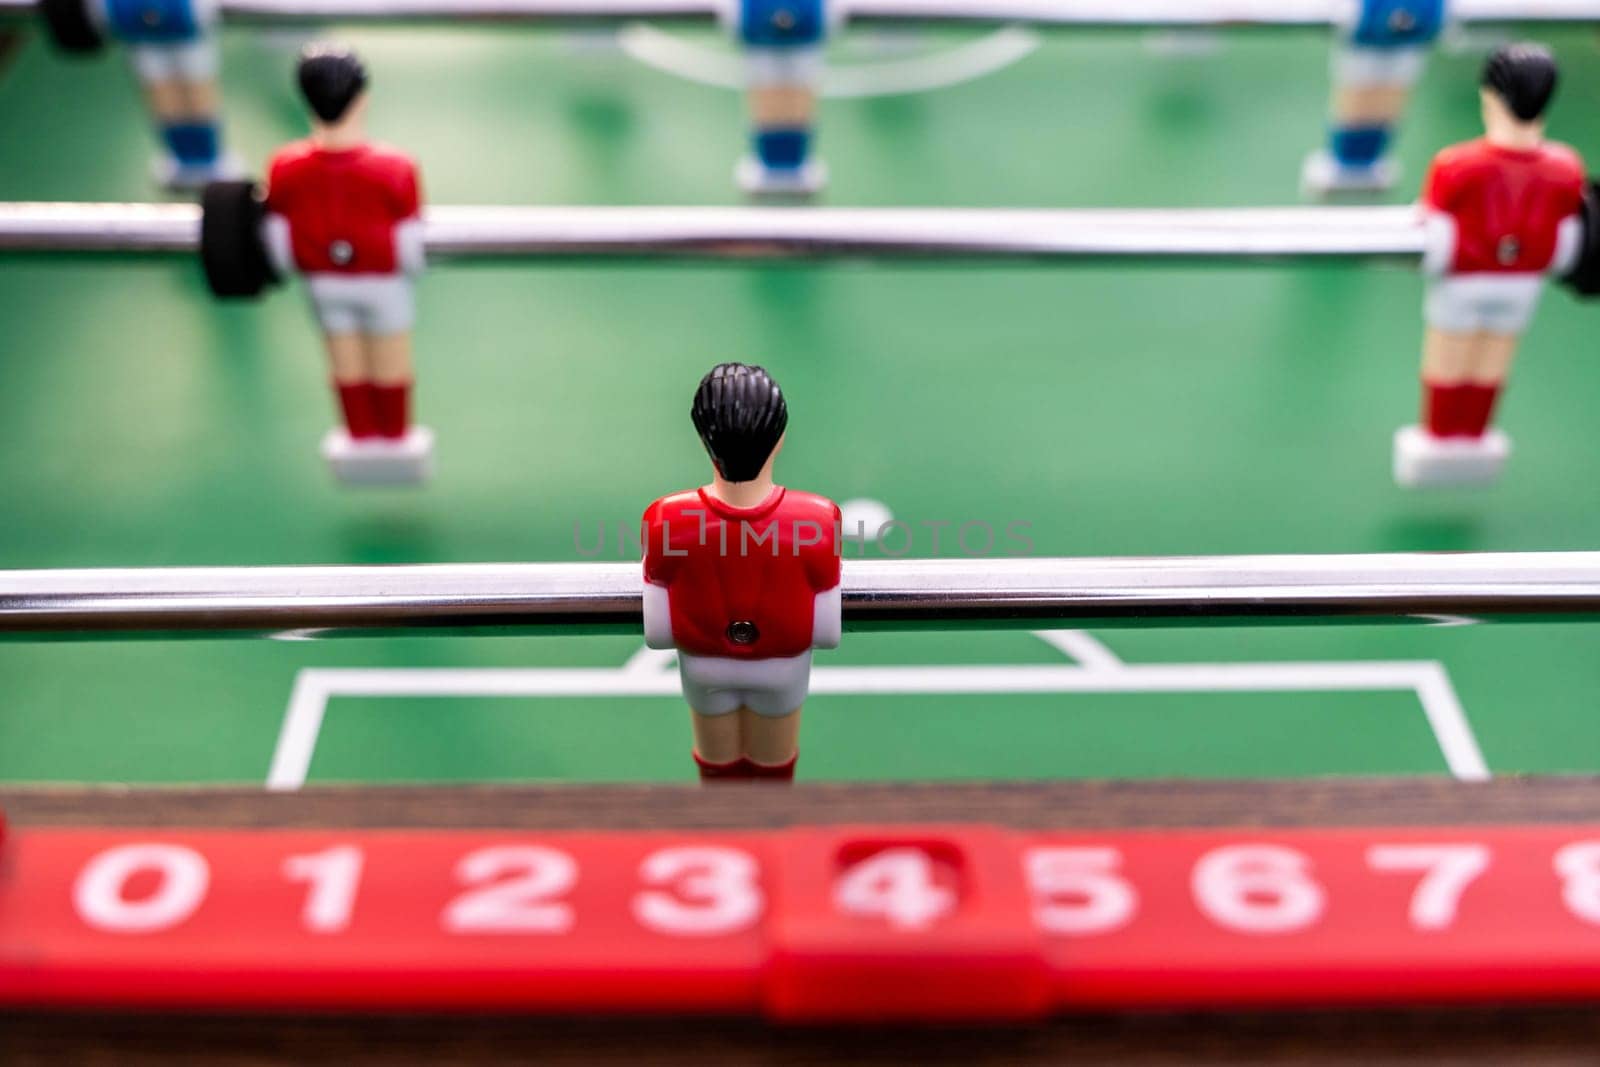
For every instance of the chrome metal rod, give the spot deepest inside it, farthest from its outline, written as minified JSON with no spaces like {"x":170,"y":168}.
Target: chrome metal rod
{"x":888,"y":594}
{"x":1181,"y":14}
{"x":754,"y":233}
{"x":1072,"y":13}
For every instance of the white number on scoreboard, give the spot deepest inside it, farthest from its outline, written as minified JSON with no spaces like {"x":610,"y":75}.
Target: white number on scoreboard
{"x":520,"y":902}
{"x":897,"y":885}
{"x":701,"y":891}
{"x":1078,"y":890}
{"x":1257,"y":889}
{"x":1579,"y":867}
{"x":1447,"y":870}
{"x":101,"y":892}
{"x":335,"y":875}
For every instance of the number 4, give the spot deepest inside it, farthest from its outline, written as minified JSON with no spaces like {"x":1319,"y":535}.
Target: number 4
{"x":1447,"y":871}
{"x":897,"y":885}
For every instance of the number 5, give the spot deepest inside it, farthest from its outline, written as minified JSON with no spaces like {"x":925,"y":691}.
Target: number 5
{"x":1077,"y":890}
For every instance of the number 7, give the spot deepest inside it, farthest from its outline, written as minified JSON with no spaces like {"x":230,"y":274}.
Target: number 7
{"x":1447,"y":871}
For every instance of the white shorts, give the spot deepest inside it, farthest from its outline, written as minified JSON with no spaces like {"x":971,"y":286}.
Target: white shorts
{"x":1359,"y":67}
{"x":191,"y":62}
{"x":373,"y":304}
{"x":1468,"y":303}
{"x":767,"y":68}
{"x":714,"y":685}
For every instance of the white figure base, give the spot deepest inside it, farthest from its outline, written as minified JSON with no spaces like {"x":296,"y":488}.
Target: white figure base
{"x":757,"y":180}
{"x":184,"y":178}
{"x":1322,"y":176}
{"x":380,"y":461}
{"x":1423,"y":461}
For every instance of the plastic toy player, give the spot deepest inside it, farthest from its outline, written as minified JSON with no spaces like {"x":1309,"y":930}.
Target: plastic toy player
{"x":172,"y":49}
{"x":1501,"y":213}
{"x":783,"y":42}
{"x":1379,"y":54}
{"x":742,"y":578}
{"x":345,"y":213}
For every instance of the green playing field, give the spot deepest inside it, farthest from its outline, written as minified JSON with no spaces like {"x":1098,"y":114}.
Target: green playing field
{"x":1118,"y":411}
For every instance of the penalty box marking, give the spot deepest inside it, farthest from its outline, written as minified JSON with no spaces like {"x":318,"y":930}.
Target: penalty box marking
{"x":649,"y":673}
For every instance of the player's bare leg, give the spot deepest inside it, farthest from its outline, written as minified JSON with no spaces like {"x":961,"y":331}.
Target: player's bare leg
{"x":718,"y":747}
{"x":1446,"y":355}
{"x":1377,"y":59}
{"x":389,"y":367}
{"x":187,"y":112}
{"x":1491,"y":358}
{"x":1369,"y":105}
{"x":792,"y":106}
{"x":352,"y":380}
{"x":771,"y":742}
{"x":389,"y":357}
{"x":165,"y":100}
{"x":783,"y":117}
{"x":1362,"y":117}
{"x":201,"y":100}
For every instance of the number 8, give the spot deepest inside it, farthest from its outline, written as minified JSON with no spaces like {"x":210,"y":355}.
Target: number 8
{"x":1579,"y":867}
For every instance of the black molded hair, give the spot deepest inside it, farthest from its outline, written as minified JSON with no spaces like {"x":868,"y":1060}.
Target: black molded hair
{"x":740,"y":413}
{"x":1524,"y":76}
{"x":331,"y":77}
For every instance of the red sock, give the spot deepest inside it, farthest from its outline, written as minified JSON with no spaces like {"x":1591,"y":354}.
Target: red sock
{"x":1443,"y":408}
{"x":391,"y":403}
{"x":1478,"y":408}
{"x":781,"y":772}
{"x":719,"y":772}
{"x":355,"y":400}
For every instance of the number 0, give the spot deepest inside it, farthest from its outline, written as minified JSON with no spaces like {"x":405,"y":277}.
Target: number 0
{"x":99,"y":891}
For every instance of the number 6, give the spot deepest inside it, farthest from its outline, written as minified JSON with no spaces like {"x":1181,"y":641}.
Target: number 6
{"x":1257,"y":889}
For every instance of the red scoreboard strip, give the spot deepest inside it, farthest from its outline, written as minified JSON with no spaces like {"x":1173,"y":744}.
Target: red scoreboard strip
{"x":872,"y":923}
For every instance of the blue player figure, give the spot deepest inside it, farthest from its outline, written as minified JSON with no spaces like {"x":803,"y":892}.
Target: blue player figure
{"x":1378,"y":56}
{"x":172,"y":48}
{"x":783,"y":43}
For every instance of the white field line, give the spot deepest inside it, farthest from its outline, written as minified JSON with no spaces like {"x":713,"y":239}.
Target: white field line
{"x":648,"y":673}
{"x":721,"y":69}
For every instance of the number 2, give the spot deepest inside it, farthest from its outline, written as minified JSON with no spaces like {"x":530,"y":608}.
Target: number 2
{"x":516,"y":904}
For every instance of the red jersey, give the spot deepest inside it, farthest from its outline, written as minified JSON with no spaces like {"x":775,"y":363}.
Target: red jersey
{"x":1507,"y":204}
{"x":343,"y":205}
{"x":742,"y":582}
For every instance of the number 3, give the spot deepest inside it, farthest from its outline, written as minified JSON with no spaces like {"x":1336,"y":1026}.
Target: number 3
{"x":717,"y":892}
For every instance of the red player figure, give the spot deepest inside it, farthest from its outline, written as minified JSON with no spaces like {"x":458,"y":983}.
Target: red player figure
{"x":742,"y":578}
{"x":1501,"y":213}
{"x":346,"y":213}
